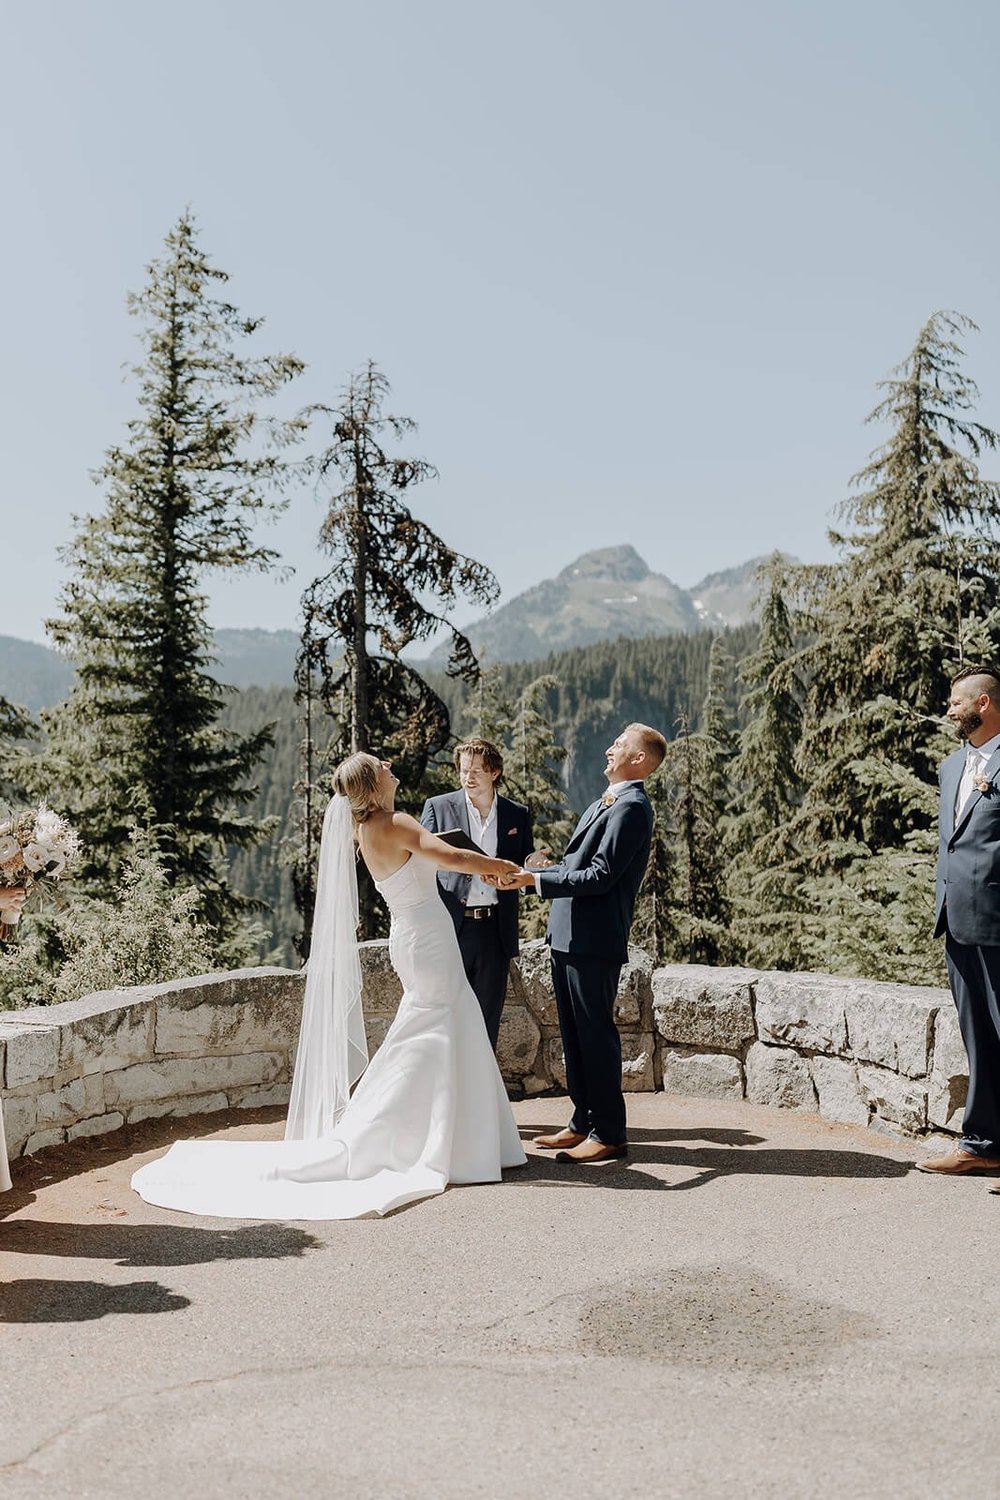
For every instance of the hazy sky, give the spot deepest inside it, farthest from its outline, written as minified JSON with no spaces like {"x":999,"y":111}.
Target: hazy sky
{"x":634,"y":268}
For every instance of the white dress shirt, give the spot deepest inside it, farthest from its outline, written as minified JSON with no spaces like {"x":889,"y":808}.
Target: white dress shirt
{"x":976,"y":757}
{"x":484,"y":831}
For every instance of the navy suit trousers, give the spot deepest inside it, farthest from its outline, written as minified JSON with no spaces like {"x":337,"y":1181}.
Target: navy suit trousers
{"x":585,"y":989}
{"x":974,"y":976}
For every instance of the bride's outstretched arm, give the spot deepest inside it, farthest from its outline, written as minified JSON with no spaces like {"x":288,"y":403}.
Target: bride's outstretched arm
{"x":419,"y":840}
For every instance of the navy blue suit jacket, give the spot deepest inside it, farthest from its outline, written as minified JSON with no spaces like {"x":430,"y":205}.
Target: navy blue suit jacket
{"x":968,"y":869}
{"x":593,"y":888}
{"x":514,"y":841}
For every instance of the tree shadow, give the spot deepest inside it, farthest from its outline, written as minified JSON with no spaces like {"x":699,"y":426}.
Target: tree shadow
{"x":82,"y":1301}
{"x":154,"y":1244}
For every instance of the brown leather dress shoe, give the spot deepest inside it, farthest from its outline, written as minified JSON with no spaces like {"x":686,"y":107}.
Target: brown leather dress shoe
{"x":956,"y":1162}
{"x":559,"y":1141}
{"x":591,"y":1153}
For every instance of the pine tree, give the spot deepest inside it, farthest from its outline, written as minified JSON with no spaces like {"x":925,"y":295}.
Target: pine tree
{"x":140,"y":732}
{"x":763,"y":886}
{"x":698,"y":805}
{"x":392,"y":582}
{"x":912,"y":596}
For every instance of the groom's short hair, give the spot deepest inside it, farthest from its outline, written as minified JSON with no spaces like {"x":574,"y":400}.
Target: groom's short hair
{"x":990,"y":676}
{"x":486,"y":750}
{"x":649,"y":740}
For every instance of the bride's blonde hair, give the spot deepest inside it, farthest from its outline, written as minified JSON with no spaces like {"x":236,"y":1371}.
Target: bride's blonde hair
{"x":356,"y":778}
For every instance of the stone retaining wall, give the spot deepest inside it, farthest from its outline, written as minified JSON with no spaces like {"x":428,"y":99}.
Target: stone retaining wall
{"x":879,"y":1054}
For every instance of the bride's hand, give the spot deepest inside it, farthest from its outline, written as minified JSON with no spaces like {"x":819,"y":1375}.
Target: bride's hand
{"x":539,"y":859}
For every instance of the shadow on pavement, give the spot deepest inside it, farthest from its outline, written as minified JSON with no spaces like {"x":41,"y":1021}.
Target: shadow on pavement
{"x":658,"y":1148}
{"x":82,"y":1301}
{"x":153,"y":1244}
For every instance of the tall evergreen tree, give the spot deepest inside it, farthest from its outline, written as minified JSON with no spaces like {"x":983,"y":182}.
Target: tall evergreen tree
{"x":913,"y":595}
{"x":764,"y":889}
{"x":392,"y":582}
{"x":140,"y":732}
{"x":697,"y":805}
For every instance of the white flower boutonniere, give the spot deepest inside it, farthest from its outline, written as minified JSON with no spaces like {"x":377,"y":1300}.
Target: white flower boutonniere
{"x":984,"y":786}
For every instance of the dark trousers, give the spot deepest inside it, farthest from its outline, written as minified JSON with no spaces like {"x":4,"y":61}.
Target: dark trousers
{"x":585,"y":996}
{"x":486,"y":968}
{"x":974,"y":976}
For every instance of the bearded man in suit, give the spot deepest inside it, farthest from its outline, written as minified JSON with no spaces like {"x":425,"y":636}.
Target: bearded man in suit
{"x":593,"y":890}
{"x":968,"y":910}
{"x":485,"y":918}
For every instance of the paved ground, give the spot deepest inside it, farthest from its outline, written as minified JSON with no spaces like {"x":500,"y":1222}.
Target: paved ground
{"x":758,"y":1304}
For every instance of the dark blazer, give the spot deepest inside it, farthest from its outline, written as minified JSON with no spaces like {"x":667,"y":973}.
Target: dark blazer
{"x":514,"y":841}
{"x":968,"y":869}
{"x":593,"y":888}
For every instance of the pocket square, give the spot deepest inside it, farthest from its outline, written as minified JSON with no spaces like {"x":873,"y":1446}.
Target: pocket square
{"x":511,"y":832}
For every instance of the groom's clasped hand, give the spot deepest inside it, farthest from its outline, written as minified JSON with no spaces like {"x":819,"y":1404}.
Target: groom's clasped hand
{"x":523,"y":879}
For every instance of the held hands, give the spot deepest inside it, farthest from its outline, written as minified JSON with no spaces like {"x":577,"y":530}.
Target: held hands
{"x":506,"y":876}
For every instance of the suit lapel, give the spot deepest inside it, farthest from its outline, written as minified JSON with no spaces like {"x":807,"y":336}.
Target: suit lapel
{"x":506,"y":820}
{"x":461,"y":810}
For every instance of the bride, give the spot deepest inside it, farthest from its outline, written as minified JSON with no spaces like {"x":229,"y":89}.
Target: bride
{"x":430,"y":1109}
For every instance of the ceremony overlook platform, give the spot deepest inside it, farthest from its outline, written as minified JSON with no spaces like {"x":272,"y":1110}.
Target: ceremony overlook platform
{"x":759,"y":1302}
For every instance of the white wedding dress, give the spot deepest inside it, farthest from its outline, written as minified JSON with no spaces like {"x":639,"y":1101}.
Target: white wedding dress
{"x":430,"y":1109}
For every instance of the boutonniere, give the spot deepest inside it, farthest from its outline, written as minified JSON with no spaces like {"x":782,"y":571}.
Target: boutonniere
{"x":984,"y":786}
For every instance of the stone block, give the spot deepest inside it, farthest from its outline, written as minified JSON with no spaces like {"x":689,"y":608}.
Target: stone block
{"x":838,"y":1090}
{"x":277,"y":1095}
{"x":104,"y":1031}
{"x":707,"y":1075}
{"x":555,"y":1060}
{"x":375,"y":1030}
{"x":517,"y":1044}
{"x":948,"y":1084}
{"x":80,"y":1097}
{"x":805,"y":1011}
{"x":896,"y":1101}
{"x":381,"y":986}
{"x":176,"y":1078}
{"x":634,"y":999}
{"x":42,"y":1139}
{"x":779,"y":1077}
{"x":890,"y":1025}
{"x":237,"y":1014}
{"x":696,"y":1005}
{"x":96,"y":1125}
{"x":531,"y":982}
{"x":195,"y":1104}
{"x":637,"y":1062}
{"x":19,"y":1114}
{"x":31,"y":1051}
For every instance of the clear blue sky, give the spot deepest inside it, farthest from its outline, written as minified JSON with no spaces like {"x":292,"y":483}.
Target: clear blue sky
{"x":635,"y":269}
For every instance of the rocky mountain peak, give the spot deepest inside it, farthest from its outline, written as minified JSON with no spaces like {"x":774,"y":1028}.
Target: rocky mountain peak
{"x":610,"y":564}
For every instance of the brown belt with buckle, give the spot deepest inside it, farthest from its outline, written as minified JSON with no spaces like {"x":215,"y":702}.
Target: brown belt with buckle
{"x":479,"y":913}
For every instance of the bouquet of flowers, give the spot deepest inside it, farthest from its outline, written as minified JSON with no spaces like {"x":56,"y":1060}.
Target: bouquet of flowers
{"x":35,"y":844}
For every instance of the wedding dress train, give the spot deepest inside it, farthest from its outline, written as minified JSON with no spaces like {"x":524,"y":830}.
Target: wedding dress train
{"x":430,"y":1109}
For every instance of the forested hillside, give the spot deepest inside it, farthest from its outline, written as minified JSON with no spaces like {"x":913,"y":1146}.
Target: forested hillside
{"x":600,"y":688}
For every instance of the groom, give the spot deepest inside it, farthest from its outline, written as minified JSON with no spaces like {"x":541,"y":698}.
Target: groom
{"x":593,"y":890}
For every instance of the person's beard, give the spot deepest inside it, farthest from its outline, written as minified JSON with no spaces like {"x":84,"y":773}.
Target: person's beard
{"x":967,"y":723}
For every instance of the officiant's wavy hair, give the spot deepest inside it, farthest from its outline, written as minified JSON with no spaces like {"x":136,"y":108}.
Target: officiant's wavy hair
{"x":356,"y":778}
{"x":486,"y":750}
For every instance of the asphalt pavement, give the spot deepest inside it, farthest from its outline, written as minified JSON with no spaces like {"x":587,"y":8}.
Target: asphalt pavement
{"x":757,"y":1303}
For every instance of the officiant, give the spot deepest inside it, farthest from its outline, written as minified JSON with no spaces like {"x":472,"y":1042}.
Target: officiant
{"x":485,"y":918}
